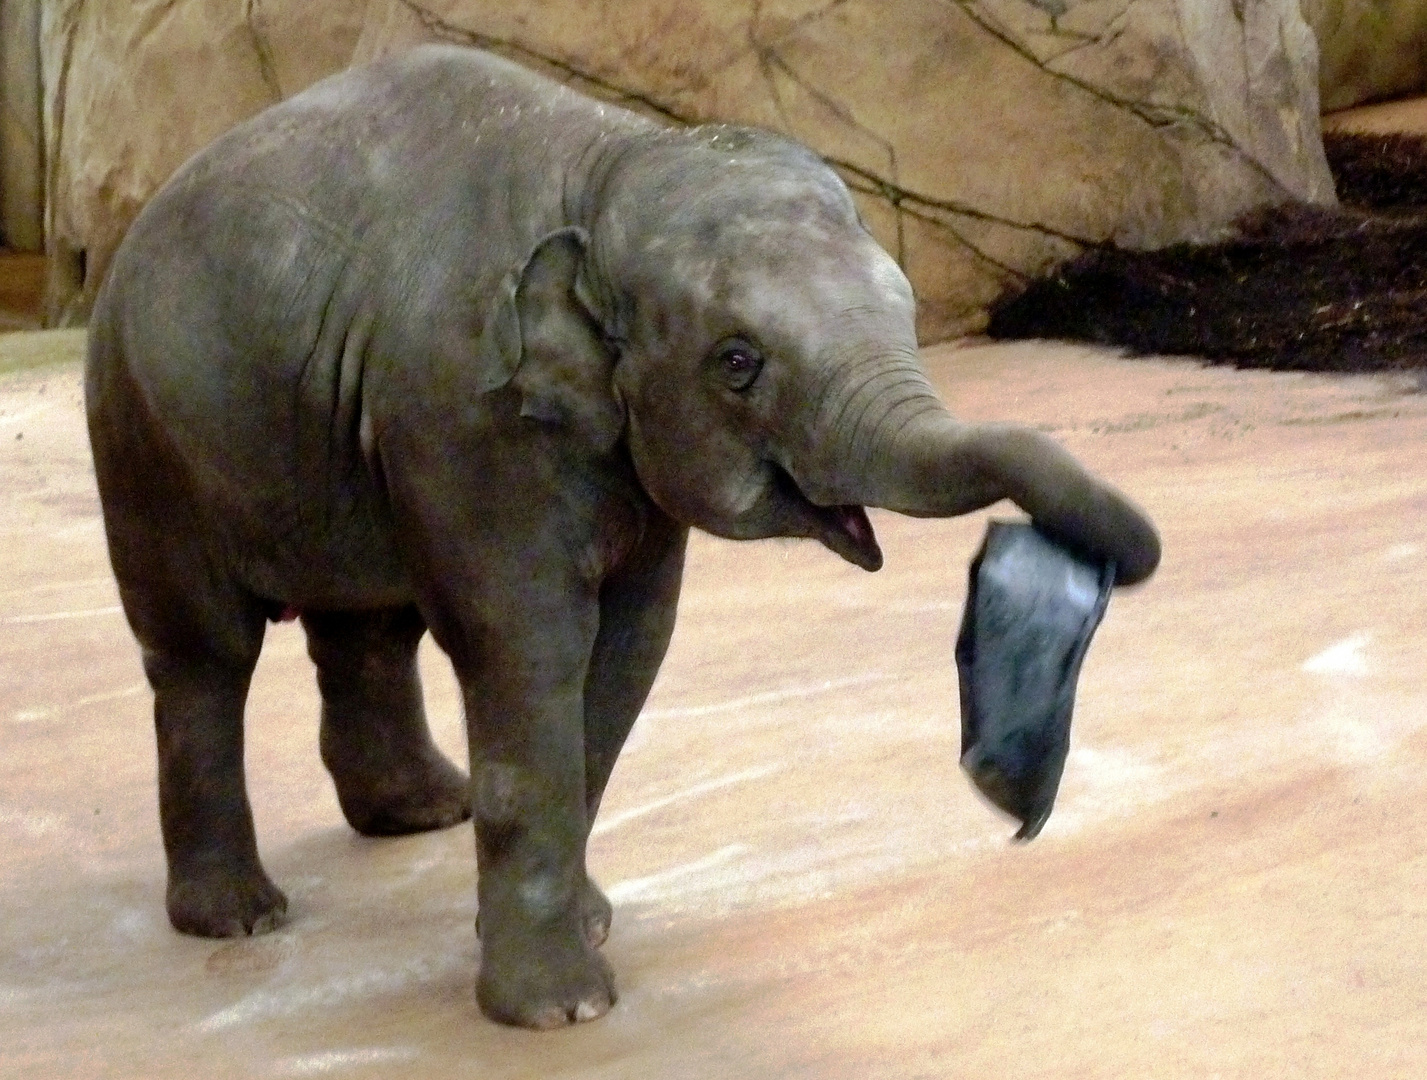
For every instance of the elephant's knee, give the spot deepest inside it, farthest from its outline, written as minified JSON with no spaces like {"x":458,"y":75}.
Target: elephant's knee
{"x":502,"y":794}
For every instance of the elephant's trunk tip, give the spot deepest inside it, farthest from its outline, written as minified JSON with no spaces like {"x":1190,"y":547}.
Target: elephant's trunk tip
{"x":1129,"y":539}
{"x":1142,"y":561}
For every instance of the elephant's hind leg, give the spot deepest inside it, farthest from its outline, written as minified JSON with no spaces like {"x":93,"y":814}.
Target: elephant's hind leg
{"x":200,"y":637}
{"x":390,"y":777}
{"x":216,"y":884}
{"x":200,"y":634}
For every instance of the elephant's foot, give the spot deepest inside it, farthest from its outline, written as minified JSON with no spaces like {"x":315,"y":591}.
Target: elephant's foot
{"x":390,"y":777}
{"x":544,"y":983}
{"x":221,"y":903}
{"x":411,"y":796}
{"x":596,"y":914}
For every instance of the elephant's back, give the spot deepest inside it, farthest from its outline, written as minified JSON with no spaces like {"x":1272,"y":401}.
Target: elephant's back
{"x":402,"y":144}
{"x":406,"y":183}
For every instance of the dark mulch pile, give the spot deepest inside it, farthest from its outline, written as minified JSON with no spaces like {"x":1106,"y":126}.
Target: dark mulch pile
{"x":1299,"y":288}
{"x":1381,"y":173}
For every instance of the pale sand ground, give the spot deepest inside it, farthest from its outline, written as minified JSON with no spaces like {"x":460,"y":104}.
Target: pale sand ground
{"x":1234,"y":883}
{"x":1407,"y":115}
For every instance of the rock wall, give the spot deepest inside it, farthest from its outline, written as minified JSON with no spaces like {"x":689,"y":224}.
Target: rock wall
{"x":1369,"y":49}
{"x":133,"y":88}
{"x":986,"y":139}
{"x":21,"y":144}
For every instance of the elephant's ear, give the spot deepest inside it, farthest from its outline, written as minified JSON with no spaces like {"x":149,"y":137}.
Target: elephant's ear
{"x":542,"y":340}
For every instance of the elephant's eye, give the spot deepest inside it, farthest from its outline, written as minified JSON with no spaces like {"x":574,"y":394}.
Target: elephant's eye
{"x":741,"y":364}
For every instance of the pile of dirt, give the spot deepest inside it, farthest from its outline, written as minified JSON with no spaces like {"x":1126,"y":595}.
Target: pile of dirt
{"x":1379,"y":173}
{"x":1297,"y":287}
{"x":22,"y":281}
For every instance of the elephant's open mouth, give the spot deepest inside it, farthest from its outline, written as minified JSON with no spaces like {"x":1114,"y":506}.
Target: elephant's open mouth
{"x":844,"y":530}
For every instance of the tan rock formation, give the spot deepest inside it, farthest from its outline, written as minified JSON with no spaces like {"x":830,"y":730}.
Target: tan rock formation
{"x":987,"y":139}
{"x":1368,"y":49}
{"x":21,"y":155}
{"x":134,"y":88}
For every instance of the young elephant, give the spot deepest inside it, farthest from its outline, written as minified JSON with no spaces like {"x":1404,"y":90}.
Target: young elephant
{"x":442,"y":344}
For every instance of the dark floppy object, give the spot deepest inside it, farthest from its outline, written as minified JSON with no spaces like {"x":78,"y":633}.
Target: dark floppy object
{"x":1031,"y":610}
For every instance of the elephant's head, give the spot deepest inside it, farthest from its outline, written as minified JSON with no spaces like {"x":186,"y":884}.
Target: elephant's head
{"x":758,"y":348}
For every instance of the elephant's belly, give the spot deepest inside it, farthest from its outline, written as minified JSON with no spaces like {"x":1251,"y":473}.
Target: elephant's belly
{"x":332,"y":581}
{"x":292,"y":551}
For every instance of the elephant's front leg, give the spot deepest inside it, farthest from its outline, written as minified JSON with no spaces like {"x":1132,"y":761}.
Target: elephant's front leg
{"x":637,"y":607}
{"x":522,"y":674}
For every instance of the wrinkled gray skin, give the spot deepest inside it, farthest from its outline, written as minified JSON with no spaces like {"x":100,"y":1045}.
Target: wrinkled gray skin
{"x":439,"y":344}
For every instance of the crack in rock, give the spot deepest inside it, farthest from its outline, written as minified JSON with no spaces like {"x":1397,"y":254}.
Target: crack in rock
{"x":267,"y":65}
{"x":1149,"y":130}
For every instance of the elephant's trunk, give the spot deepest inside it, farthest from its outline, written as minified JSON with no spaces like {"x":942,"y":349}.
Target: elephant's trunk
{"x":897,"y":447}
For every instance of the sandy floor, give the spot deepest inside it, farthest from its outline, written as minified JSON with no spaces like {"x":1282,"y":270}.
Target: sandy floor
{"x":1234,"y":883}
{"x":1408,"y":115}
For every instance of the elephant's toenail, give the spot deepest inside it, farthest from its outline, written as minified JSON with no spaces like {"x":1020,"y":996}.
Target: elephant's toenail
{"x":586,"y":1010}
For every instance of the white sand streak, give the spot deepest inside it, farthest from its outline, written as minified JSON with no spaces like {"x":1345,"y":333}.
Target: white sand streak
{"x":111,"y":695}
{"x":288,"y":1000}
{"x":1342,"y":658}
{"x":615,"y":820}
{"x":653,"y":886}
{"x":329,"y":1061}
{"x":769,"y":697}
{"x":60,"y":586}
{"x":30,"y":823}
{"x":32,"y":715}
{"x":56,"y":616}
